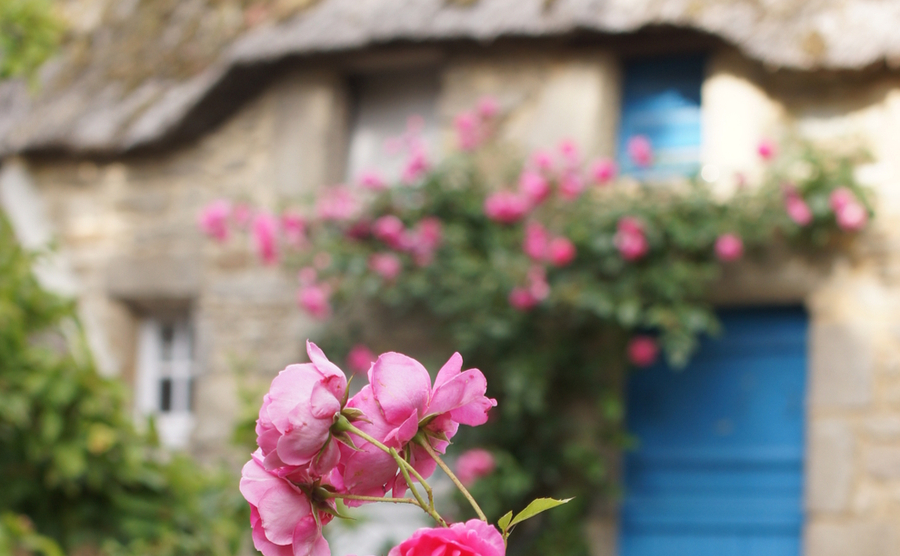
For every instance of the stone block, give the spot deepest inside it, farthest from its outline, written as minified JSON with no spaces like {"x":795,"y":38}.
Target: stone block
{"x":841,"y":366}
{"x":137,"y":279}
{"x":856,"y":538}
{"x":829,"y":472}
{"x":883,"y":462}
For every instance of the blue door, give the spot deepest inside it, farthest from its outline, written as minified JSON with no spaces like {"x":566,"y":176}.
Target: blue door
{"x":718,"y":470}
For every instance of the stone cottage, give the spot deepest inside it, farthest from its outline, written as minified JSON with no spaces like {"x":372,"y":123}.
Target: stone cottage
{"x":155,"y":108}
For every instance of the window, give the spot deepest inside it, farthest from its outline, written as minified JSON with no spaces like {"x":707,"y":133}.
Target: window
{"x":166,"y":377}
{"x":661,"y":101}
{"x":383,"y":106}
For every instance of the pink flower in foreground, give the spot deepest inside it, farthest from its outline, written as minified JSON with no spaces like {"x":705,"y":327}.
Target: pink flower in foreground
{"x":561,"y":251}
{"x":294,"y":425}
{"x":797,"y":209}
{"x":293,"y":226}
{"x":389,"y":229}
{"x":766,"y":149}
{"x":521,"y":299}
{"x":281,"y":515}
{"x":630,"y":239}
{"x":386,"y":265}
{"x":640,"y":151}
{"x":313,"y":298}
{"x":571,"y":186}
{"x":473,"y":465}
{"x":534,"y":186}
{"x":265,"y":230}
{"x":506,"y":207}
{"x":472,"y":538}
{"x":397,"y":399}
{"x":852,"y":217}
{"x":360,"y":358}
{"x":642,"y":351}
{"x":536,"y":241}
{"x":729,"y":247}
{"x":213,"y":219}
{"x":487,"y":107}
{"x":603,"y":171}
{"x":372,"y":181}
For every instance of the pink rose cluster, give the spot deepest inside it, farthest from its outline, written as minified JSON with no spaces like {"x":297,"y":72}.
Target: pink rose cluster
{"x":544,"y":174}
{"x":850,"y":214}
{"x":474,"y":127}
{"x":630,"y":238}
{"x":540,"y":246}
{"x":267,"y":231}
{"x":420,"y":242}
{"x":307,"y":455}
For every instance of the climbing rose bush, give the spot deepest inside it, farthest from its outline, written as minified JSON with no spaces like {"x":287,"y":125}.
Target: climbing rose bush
{"x":552,"y":270}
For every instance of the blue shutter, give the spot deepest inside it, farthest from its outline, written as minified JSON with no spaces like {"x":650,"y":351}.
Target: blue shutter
{"x":661,"y":100}
{"x":718,"y":470}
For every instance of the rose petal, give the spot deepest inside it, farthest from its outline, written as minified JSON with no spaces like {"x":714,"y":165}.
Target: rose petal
{"x":401,"y":385}
{"x":451,"y":368}
{"x":279,"y":509}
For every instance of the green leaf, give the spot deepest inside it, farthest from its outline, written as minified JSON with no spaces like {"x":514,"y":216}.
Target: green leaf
{"x":536,"y":507}
{"x":503,"y":522}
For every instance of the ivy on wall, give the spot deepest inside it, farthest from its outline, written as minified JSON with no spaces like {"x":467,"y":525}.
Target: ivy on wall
{"x":552,"y":286}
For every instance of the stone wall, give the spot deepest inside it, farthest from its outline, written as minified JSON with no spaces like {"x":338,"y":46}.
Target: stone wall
{"x":128,"y":231}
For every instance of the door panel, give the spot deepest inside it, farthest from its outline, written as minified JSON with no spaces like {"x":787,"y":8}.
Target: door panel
{"x":719,"y":465}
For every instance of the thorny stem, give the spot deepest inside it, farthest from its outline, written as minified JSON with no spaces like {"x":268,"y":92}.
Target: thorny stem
{"x":429,"y":510}
{"x":372,"y":498}
{"x":422,"y":441}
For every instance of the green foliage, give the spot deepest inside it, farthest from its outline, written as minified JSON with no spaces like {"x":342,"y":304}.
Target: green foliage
{"x":17,"y":536}
{"x":70,"y":458}
{"x":29,"y":34}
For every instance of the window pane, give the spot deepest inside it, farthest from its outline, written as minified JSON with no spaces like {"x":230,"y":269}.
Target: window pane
{"x":167,"y":343}
{"x":165,"y":395}
{"x":661,"y":101}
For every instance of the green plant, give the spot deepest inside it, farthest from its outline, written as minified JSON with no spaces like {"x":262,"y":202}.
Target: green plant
{"x":70,"y":457}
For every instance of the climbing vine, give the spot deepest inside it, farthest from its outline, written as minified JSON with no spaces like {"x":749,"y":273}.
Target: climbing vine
{"x":552,"y":286}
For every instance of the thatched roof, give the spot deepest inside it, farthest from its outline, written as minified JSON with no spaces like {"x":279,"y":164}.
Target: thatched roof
{"x":147,"y":69}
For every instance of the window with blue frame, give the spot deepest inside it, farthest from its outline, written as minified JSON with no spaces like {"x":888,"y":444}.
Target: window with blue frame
{"x":661,"y":102}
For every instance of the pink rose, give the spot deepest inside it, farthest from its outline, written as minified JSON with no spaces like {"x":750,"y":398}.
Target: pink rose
{"x":543,"y":161}
{"x":640,"y":151}
{"x":536,"y":241}
{"x":467,"y":131}
{"x":416,"y":165}
{"x":397,"y":399}
{"x":603,"y":171}
{"x":281,"y":515}
{"x":372,"y":181}
{"x":729,"y":247}
{"x":487,"y":107}
{"x":265,"y":230}
{"x":425,"y":239}
{"x":766,"y":149}
{"x":569,"y":151}
{"x":852,"y":216}
{"x":294,"y":425}
{"x":521,"y":299}
{"x":630,"y":239}
{"x":506,"y":207}
{"x":642,"y":351}
{"x":213,"y":219}
{"x":561,"y":251}
{"x":313,"y":298}
{"x":472,"y":538}
{"x":571,"y":186}
{"x":337,"y":204}
{"x":389,"y":229}
{"x":534,"y":186}
{"x":537,"y":282}
{"x":474,"y":464}
{"x":840,"y":198}
{"x":386,"y":265}
{"x":360,"y":358}
{"x":797,"y":209}
{"x":293,"y":226}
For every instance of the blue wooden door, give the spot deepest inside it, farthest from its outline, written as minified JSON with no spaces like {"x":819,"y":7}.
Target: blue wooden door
{"x":719,"y":466}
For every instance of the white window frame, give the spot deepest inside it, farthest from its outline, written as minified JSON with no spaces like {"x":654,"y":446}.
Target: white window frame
{"x":157,"y":363}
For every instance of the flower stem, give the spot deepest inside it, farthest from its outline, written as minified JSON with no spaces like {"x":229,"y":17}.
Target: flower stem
{"x":423,"y":442}
{"x":372,"y":498}
{"x":405,"y":469}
